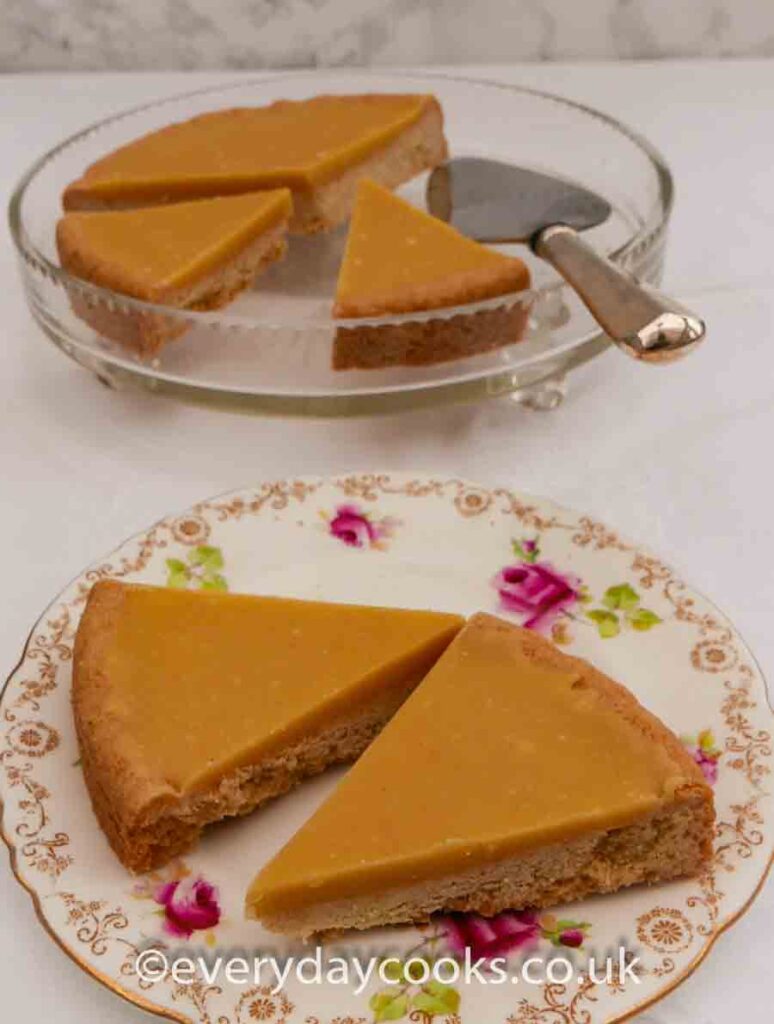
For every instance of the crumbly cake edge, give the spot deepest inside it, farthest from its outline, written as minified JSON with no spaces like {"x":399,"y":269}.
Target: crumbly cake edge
{"x":146,"y":333}
{"x":430,"y":340}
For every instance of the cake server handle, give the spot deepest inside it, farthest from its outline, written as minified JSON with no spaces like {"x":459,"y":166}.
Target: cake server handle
{"x":641,"y":321}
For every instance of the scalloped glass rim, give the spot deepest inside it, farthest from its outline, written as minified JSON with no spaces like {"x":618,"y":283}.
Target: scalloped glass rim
{"x":452,"y":382}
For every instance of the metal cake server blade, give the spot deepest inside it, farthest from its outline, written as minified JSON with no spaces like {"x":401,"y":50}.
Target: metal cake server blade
{"x":495,"y":202}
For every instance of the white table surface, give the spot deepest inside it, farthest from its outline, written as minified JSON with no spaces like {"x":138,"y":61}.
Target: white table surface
{"x":680,"y":458}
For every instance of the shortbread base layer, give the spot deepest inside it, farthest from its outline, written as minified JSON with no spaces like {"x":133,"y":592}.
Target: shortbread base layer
{"x":146,"y":333}
{"x":428,"y":341}
{"x":675,"y":842}
{"x":169,"y":830}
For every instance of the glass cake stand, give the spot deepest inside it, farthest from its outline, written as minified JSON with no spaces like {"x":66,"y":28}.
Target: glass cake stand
{"x":270,"y":351}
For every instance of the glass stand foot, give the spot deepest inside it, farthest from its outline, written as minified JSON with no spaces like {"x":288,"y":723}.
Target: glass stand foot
{"x":545,"y":395}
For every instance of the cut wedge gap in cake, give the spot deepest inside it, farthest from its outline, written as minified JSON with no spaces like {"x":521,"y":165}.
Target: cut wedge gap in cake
{"x":194,"y":706}
{"x":191,"y":256}
{"x":318,"y":147}
{"x":515,"y":776}
{"x":401,"y":260}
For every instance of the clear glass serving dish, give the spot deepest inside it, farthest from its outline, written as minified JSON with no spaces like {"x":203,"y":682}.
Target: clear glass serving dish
{"x":270,"y":351}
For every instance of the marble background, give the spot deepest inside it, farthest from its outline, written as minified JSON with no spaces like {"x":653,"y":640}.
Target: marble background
{"x":119,"y":35}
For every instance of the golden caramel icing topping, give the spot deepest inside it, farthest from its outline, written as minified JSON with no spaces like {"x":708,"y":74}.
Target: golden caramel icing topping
{"x":495,"y":753}
{"x":205,"y":681}
{"x":294,"y":143}
{"x":150,"y":250}
{"x":400,"y":259}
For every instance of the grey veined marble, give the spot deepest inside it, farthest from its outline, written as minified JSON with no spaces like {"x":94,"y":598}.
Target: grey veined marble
{"x":129,"y":34}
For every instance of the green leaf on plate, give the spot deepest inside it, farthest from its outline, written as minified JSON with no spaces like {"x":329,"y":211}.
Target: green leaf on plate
{"x":706,"y":741}
{"x":389,"y":1005}
{"x":175,"y":565}
{"x":564,"y":923}
{"x":214,"y":581}
{"x":642,"y":619}
{"x":206,"y":556}
{"x":441,"y":1000}
{"x":178,"y":579}
{"x":436,"y":998}
{"x":606,"y":622}
{"x":622,"y":596}
{"x":525,"y":555}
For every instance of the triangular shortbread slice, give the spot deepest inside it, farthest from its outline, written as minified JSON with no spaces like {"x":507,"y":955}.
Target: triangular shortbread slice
{"x":193,"y":706}
{"x":515,"y":776}
{"x":400,"y":259}
{"x":318,"y":147}
{"x":195,"y":255}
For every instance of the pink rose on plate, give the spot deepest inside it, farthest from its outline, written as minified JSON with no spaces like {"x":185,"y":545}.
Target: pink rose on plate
{"x":705,"y":753}
{"x":353,"y":527}
{"x":357,"y":529}
{"x":572,"y":937}
{"x":564,"y":932}
{"x":708,"y":765}
{"x":536,"y":590}
{"x":491,"y":937}
{"x":190,"y":905}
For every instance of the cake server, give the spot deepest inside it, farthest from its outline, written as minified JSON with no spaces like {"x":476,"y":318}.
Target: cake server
{"x":497,"y":202}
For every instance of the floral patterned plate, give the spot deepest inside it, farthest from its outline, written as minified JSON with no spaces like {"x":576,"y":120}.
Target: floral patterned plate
{"x":415,"y":542}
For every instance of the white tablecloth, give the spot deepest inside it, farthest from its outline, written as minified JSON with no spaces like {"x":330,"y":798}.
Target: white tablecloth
{"x":679,"y":458}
